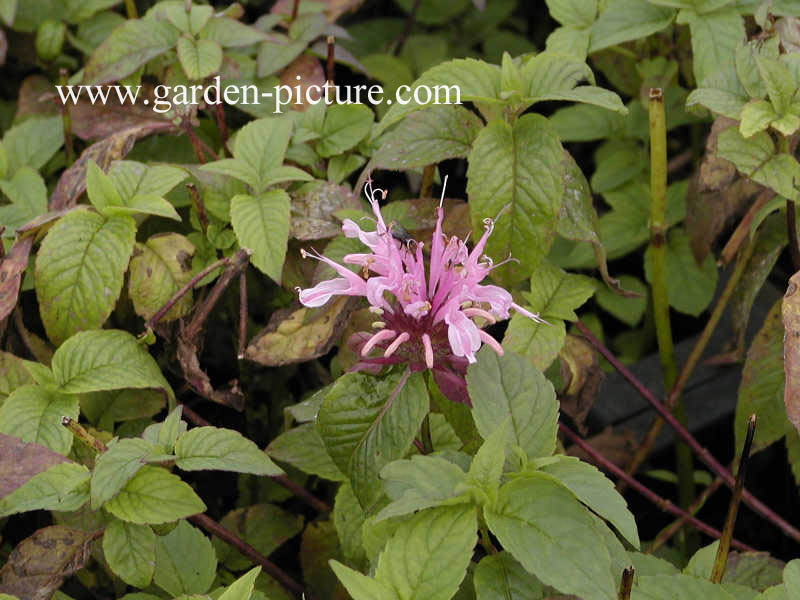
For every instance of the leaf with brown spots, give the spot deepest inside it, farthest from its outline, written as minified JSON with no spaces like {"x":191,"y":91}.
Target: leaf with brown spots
{"x":37,"y":566}
{"x":582,"y":375}
{"x":159,"y":268}
{"x":312,"y":210}
{"x":309,"y":70}
{"x":12,"y":267}
{"x":300,"y":335}
{"x":19,"y":461}
{"x":199,"y":380}
{"x":616,"y":445}
{"x":791,"y":350}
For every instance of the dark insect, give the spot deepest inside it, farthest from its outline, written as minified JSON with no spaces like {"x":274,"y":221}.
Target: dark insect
{"x":400,"y":233}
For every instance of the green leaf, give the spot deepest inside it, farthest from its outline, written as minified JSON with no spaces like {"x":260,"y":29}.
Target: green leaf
{"x":595,"y":490}
{"x":28,"y":196}
{"x":231,"y":33}
{"x":32,"y":143}
{"x":185,"y":561}
{"x":755,"y":157}
{"x":516,"y":167}
{"x":8,"y":9}
{"x":348,"y":517}
{"x":762,"y":386}
{"x":629,"y":310}
{"x":189,"y":21}
{"x":205,"y":448}
{"x":13,"y":374}
{"x":506,"y":386}
{"x":146,"y":204}
{"x":756,"y":116}
{"x":361,"y":587}
{"x":723,"y":102}
{"x":426,"y":558}
{"x":166,"y":433}
{"x":778,"y":82}
{"x":367,"y":422}
{"x":487,"y":464}
{"x":556,"y":294}
{"x":539,"y":342}
{"x":345,"y":125}
{"x":79,"y":271}
{"x":677,"y":587}
{"x":791,"y":577}
{"x":199,"y":58}
{"x":133,"y":178}
{"x":501,"y":577}
{"x":110,"y":359}
{"x":690,"y":288}
{"x":418,"y":483}
{"x":275,"y":54}
{"x":62,"y":487}
{"x":116,"y":466}
{"x":155,"y":496}
{"x":33,"y":413}
{"x":129,"y":46}
{"x":303,"y":448}
{"x":586,"y":123}
{"x":99,"y":188}
{"x":625,"y":20}
{"x":715,"y":37}
{"x":242,"y":588}
{"x":426,"y":137}
{"x":262,"y":143}
{"x":545,"y":528}
{"x":158,"y":269}
{"x":265,"y":527}
{"x":261,"y":224}
{"x":574,"y":13}
{"x":130,"y":551}
{"x":463,"y":79}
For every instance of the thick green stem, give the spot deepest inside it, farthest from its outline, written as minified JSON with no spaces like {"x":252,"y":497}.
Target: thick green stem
{"x":658,"y":251}
{"x":130,"y":9}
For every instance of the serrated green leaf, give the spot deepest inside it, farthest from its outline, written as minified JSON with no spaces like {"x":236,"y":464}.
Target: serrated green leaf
{"x":129,"y":46}
{"x":690,"y":288}
{"x":545,"y":528}
{"x":762,"y":386}
{"x":145,"y":204}
{"x":426,"y":558}
{"x":778,"y":82}
{"x":487,"y":464}
{"x":506,"y":386}
{"x":133,"y":178}
{"x":367,"y":422}
{"x":723,"y":102}
{"x":62,"y":487}
{"x":715,"y":37}
{"x":677,"y":587}
{"x":116,"y":466}
{"x":348,"y":517}
{"x":625,"y":20}
{"x":111,"y":359}
{"x":345,"y":125}
{"x":514,"y":167}
{"x":756,"y":116}
{"x":575,"y":13}
{"x":361,"y":587}
{"x":265,"y":527}
{"x":32,"y":143}
{"x":418,"y":483}
{"x":130,"y":551}
{"x":185,"y":561}
{"x":199,"y":58}
{"x":595,"y":490}
{"x":556,"y":294}
{"x":154,"y":496}
{"x":275,"y":54}
{"x":13,"y":374}
{"x":501,"y":577}
{"x":242,"y":588}
{"x":167,"y":433}
{"x":303,"y":448}
{"x":28,"y":196}
{"x":204,"y":448}
{"x":33,"y":413}
{"x":629,"y":310}
{"x":158,"y":269}
{"x":229,"y":32}
{"x":99,"y":188}
{"x":79,"y":271}
{"x":261,"y":224}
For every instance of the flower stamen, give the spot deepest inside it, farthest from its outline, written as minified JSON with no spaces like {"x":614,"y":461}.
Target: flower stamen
{"x":403,"y":337}
{"x":383,"y":334}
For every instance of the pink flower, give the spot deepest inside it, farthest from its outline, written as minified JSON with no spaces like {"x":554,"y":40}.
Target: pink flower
{"x":427,"y":321}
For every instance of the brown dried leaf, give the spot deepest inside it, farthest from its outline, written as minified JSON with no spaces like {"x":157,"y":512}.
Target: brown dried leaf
{"x":791,"y":350}
{"x":300,"y":335}
{"x":309,"y":69}
{"x":716,"y":173}
{"x":72,"y":182}
{"x":12,"y":267}
{"x":616,"y":445}
{"x":19,"y":461}
{"x":312,"y":212}
{"x":37,"y":566}
{"x":336,"y":8}
{"x":319,"y":544}
{"x":582,"y":375}
{"x":756,"y":570}
{"x":36,"y":97}
{"x":199,"y":380}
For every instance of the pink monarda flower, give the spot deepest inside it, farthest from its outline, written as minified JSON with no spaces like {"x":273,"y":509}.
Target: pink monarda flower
{"x":426,"y":321}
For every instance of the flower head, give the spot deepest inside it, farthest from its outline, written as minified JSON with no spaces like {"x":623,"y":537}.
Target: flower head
{"x":426,"y":317}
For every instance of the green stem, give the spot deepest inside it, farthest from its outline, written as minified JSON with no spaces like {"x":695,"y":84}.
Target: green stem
{"x":130,"y":9}
{"x":658,"y":250}
{"x":425,"y":434}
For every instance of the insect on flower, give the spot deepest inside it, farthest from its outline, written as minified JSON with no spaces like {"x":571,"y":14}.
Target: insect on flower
{"x":425,"y":313}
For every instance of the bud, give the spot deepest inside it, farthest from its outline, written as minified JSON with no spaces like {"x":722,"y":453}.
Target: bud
{"x":50,"y":39}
